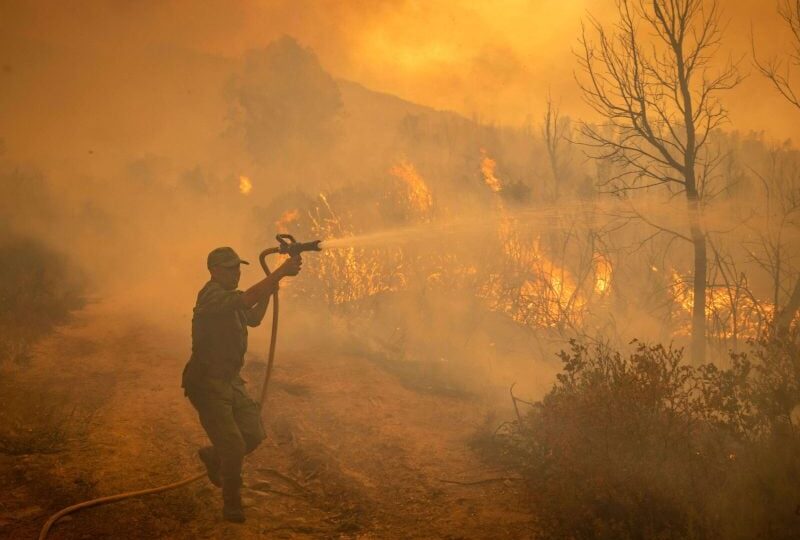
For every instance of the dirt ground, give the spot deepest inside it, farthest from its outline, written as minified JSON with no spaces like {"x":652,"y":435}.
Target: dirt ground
{"x":351,"y":451}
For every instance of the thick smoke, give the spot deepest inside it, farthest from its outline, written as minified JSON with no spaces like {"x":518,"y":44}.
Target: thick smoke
{"x":434,"y":148}
{"x":133,"y":139}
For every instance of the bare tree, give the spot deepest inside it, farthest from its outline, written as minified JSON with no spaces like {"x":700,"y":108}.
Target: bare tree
{"x":651,"y":79}
{"x":775,"y":234}
{"x":779,"y":71}
{"x":555,"y":133}
{"x":283,"y":104}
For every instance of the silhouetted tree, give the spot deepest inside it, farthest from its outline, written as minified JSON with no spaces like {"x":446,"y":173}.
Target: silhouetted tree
{"x":779,"y":71}
{"x":555,"y":132}
{"x":650,"y":79}
{"x":283,"y":102}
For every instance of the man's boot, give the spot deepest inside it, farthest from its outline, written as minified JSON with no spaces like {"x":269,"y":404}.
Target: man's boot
{"x":232,"y":501}
{"x":209,"y":458}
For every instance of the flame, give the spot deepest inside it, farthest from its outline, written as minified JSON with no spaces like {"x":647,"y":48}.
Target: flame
{"x":351,"y":274}
{"x":419,"y":195}
{"x":245,"y":185}
{"x":286,"y":219}
{"x":548,"y":295}
{"x":728,"y":313}
{"x":488,"y":167}
{"x":526,"y":277}
{"x":602,"y":275}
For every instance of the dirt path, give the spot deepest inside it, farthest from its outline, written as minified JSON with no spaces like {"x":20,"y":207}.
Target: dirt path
{"x":351,"y":453}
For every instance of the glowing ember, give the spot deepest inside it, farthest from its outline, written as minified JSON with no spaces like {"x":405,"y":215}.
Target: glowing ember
{"x":245,"y":185}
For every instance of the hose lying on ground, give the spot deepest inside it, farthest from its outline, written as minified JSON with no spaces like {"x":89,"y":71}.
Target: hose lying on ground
{"x":113,"y":498}
{"x":168,"y":487}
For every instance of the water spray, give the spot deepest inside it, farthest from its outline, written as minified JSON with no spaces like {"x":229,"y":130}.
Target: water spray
{"x":546,"y":217}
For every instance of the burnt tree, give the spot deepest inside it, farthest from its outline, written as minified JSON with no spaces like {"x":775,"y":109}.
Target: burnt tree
{"x":780,"y":71}
{"x":653,"y":80}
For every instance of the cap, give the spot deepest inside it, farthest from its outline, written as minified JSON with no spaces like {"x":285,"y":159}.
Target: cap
{"x":224,"y":256}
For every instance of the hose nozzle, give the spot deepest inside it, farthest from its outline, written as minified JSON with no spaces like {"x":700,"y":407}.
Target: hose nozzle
{"x":287,"y":245}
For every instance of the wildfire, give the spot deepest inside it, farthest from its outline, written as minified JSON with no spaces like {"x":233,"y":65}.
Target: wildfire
{"x":351,"y":274}
{"x":730,"y":312}
{"x":524,"y":275}
{"x":602,"y":275}
{"x":681,"y":291}
{"x":245,"y":185}
{"x":419,"y":195}
{"x":548,"y":292}
{"x":286,"y":219}
{"x":488,"y":167}
{"x":547,"y":297}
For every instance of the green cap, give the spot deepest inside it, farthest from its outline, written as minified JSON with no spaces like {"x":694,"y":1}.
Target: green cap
{"x":224,"y":256}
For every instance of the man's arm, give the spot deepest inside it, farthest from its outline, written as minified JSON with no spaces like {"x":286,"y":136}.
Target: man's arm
{"x":262,"y":290}
{"x":256,"y":313}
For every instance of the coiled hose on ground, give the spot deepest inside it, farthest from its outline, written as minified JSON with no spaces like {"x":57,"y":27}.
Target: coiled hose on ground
{"x":168,"y":487}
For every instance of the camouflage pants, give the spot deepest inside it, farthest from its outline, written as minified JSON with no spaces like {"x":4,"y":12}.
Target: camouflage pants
{"x":232,"y":421}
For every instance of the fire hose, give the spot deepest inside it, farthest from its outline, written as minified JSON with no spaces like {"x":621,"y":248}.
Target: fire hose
{"x":287,"y":245}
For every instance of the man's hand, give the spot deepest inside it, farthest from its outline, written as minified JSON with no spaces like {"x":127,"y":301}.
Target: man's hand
{"x":261,"y":290}
{"x":290,"y":267}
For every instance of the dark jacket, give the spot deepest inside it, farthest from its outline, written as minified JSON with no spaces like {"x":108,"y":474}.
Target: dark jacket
{"x":219,"y":334}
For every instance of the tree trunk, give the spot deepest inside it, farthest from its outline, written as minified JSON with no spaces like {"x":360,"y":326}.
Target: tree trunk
{"x":693,"y":198}
{"x":699,"y":283}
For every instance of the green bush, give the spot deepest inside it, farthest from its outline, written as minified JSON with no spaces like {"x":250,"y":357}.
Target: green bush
{"x":644,"y":446}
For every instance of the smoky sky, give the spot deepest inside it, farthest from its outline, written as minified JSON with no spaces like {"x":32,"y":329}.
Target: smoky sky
{"x":88,"y":78}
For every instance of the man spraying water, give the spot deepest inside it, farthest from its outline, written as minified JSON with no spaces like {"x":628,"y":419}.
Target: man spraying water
{"x":211,"y":378}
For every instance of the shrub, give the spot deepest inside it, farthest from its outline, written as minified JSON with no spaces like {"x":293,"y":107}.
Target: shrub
{"x":644,"y":446}
{"x":38,"y":289}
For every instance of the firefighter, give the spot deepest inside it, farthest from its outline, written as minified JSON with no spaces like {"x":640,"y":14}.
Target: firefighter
{"x":211,"y":378}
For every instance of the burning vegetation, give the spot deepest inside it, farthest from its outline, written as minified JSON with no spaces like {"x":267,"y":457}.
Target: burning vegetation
{"x":541,"y":268}
{"x":652,"y":248}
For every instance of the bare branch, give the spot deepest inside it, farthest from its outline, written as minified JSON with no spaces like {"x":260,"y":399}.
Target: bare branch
{"x":779,"y":70}
{"x":660,"y":100}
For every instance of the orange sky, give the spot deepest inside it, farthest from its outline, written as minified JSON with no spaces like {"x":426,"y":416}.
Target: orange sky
{"x":123,"y":71}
